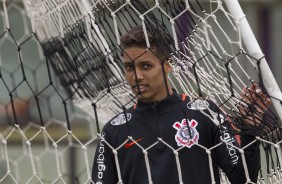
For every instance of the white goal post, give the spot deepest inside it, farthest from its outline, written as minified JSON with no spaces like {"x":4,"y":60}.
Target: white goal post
{"x":255,"y":51}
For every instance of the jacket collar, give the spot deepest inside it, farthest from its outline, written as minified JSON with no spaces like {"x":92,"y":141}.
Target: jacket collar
{"x":161,"y":106}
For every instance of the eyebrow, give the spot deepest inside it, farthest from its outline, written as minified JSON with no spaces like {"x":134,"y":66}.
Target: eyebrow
{"x":139,"y":62}
{"x":128,"y":63}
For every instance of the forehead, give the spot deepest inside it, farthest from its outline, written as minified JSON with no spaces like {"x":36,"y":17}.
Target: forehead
{"x":137,"y":54}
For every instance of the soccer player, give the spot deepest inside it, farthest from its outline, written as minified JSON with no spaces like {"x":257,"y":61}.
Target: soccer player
{"x":163,"y":121}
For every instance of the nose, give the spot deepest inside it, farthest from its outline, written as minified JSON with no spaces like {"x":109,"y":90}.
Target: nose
{"x":138,"y":74}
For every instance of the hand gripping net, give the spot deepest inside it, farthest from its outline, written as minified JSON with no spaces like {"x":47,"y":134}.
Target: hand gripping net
{"x":213,"y":53}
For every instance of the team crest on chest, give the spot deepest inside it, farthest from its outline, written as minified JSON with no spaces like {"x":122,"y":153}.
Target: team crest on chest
{"x":182,"y":136}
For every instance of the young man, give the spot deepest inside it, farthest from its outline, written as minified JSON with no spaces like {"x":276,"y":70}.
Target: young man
{"x":137,"y":146}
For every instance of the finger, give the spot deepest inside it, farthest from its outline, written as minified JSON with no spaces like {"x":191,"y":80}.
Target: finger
{"x":255,"y":90}
{"x":261,"y":97}
{"x":246,"y":95}
{"x":258,"y":92}
{"x":267,"y":102}
{"x":258,"y":96}
{"x":254,"y":86}
{"x":243,"y":91}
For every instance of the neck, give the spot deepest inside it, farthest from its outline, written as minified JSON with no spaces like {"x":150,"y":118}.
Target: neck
{"x":167,"y":94}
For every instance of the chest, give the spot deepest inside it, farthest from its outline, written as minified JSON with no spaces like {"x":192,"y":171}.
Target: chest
{"x":173,"y":129}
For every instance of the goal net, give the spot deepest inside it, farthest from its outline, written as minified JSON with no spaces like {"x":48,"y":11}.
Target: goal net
{"x":61,"y":80}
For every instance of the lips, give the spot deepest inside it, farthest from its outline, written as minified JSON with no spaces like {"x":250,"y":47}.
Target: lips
{"x":142,"y":88}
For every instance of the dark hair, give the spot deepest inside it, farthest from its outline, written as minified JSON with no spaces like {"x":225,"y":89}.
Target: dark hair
{"x":158,"y":39}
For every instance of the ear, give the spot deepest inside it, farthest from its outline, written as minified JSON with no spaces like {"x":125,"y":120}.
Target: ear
{"x":167,"y":67}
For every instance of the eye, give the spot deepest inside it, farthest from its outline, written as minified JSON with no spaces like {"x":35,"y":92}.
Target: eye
{"x":129,"y":67}
{"x":147,"y":66}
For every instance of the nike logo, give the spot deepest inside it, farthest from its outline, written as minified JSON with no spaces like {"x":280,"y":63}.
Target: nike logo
{"x":128,"y":145}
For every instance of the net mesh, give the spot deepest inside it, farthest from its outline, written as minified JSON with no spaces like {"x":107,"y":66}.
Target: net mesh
{"x":62,"y":79}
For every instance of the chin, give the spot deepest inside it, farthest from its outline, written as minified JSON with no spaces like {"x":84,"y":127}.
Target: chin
{"x":143,"y":97}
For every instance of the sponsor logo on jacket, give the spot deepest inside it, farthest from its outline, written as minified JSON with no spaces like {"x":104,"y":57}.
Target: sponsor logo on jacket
{"x":120,"y":119}
{"x":198,"y":104}
{"x":100,"y":161}
{"x":230,"y":140}
{"x":187,"y":134}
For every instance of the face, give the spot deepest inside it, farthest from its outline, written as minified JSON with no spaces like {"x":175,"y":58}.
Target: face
{"x":144,"y":74}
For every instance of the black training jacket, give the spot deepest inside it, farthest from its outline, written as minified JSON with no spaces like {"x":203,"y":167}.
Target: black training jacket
{"x":160,"y":128}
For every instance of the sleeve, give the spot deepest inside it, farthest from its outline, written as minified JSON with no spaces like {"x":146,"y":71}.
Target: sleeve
{"x":229,"y":158}
{"x":230,"y":161}
{"x":104,"y":169}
